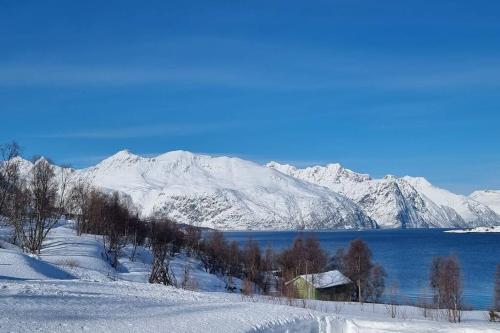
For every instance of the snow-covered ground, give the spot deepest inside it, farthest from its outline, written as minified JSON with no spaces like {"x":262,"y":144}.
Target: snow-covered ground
{"x":71,"y":287}
{"x":477,"y":229}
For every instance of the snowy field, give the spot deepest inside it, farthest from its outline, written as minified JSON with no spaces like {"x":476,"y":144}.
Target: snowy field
{"x":71,"y":287}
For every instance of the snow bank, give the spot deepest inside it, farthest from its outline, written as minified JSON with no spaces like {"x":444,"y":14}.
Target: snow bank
{"x":135,"y":307}
{"x":19,"y":266}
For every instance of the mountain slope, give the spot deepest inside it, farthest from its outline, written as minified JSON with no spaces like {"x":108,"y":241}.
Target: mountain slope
{"x":391,"y":201}
{"x":474,"y":213}
{"x":223,"y":193}
{"x":489,"y":198}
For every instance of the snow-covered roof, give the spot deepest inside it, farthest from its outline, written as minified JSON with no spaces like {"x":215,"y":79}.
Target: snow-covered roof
{"x":325,"y":279}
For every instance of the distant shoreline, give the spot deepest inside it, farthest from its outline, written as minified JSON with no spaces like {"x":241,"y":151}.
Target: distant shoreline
{"x":477,"y":229}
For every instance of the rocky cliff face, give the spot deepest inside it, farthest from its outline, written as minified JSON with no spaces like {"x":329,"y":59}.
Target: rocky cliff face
{"x":395,"y":202}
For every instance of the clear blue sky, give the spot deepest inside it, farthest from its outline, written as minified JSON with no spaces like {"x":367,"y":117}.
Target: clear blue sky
{"x":400,"y":87}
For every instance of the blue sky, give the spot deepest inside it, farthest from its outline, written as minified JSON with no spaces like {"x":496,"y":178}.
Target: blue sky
{"x":399,"y":87}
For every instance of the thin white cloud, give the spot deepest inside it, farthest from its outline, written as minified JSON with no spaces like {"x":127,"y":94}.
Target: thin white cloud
{"x":20,"y":75}
{"x":144,"y":131}
{"x":373,"y":75}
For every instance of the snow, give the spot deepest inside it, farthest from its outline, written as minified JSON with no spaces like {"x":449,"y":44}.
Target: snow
{"x":472,"y":211}
{"x":19,"y":266}
{"x":70,"y":287}
{"x":391,"y":202}
{"x":132,"y":307}
{"x":477,"y":229}
{"x":223,"y":193}
{"x":326,"y":279}
{"x":234,"y":194}
{"x":121,"y":306}
{"x":489,"y":198}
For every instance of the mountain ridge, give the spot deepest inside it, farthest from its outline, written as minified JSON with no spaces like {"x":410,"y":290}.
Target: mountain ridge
{"x":396,"y":202}
{"x":231,"y":193}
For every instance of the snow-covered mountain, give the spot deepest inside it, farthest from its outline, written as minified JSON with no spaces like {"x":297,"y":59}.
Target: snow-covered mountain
{"x":474,"y":213}
{"x":390,"y":201}
{"x":224,"y":193}
{"x":490,"y":198}
{"x":234,"y":194}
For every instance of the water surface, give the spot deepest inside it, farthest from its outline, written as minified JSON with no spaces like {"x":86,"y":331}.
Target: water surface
{"x":406,"y":255}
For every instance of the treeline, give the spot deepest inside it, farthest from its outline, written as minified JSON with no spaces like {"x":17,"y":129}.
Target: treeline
{"x":262,"y":271}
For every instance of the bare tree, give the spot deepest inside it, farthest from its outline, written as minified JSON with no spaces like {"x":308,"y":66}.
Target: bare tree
{"x":79,"y":204}
{"x":192,"y":238}
{"x":446,"y":281}
{"x":9,"y":173}
{"x":39,"y":198}
{"x":376,"y":283}
{"x":63,"y":188}
{"x":494,"y":311}
{"x":161,"y":239}
{"x":393,"y":300}
{"x":216,"y":251}
{"x":188,"y":281}
{"x":137,"y":234}
{"x":435,"y":280}
{"x":496,"y":290}
{"x":358,"y":265}
{"x":116,"y":227}
{"x":337,"y":261}
{"x":305,"y":256}
{"x":234,"y":265}
{"x":315,"y":257}
{"x":267,"y":269}
{"x":252,"y":261}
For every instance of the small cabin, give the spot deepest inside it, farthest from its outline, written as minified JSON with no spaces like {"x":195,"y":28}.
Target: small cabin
{"x":326,"y":286}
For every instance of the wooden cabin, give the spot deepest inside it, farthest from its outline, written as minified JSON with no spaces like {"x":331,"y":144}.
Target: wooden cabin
{"x":326,"y":286}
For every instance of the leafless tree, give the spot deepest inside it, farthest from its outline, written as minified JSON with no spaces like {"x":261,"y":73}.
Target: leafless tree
{"x":496,"y":290}
{"x":188,"y":281}
{"x":315,"y":257}
{"x":79,"y":203}
{"x":267,"y":269}
{"x":138,"y":232}
{"x":305,"y":256}
{"x":393,"y":300}
{"x":63,"y":188}
{"x":117,"y":217}
{"x":234,"y":264}
{"x":215,"y":250}
{"x":358,"y":265}
{"x":376,"y":283}
{"x":446,"y":281}
{"x":192,"y":239}
{"x":40,"y":215}
{"x":435,"y":280}
{"x":252,"y":261}
{"x":9,"y":173}
{"x":161,"y":239}
{"x":337,"y":261}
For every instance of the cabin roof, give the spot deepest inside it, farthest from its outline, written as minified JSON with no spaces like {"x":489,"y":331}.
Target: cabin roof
{"x":324,"y":280}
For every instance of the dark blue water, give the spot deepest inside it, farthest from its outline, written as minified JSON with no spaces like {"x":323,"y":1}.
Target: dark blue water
{"x":406,"y":255}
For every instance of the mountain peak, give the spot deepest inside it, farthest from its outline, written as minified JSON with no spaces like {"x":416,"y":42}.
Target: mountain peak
{"x":121,"y":156}
{"x":176,"y":154}
{"x":336,"y":166}
{"x":417,"y":181}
